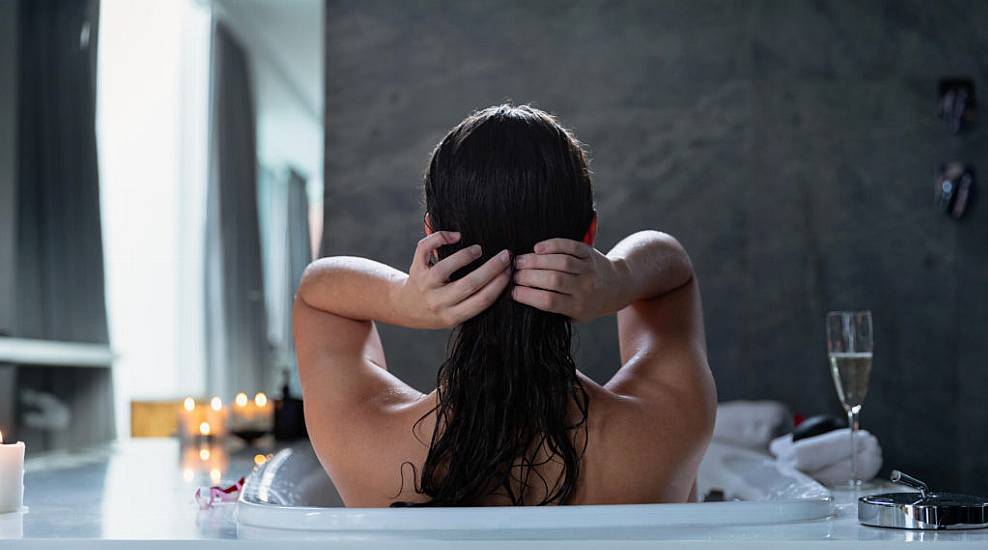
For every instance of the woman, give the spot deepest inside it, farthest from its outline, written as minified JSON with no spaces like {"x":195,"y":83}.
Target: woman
{"x":508,"y":262}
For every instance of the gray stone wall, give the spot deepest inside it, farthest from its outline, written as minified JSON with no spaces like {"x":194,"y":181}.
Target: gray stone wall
{"x":789,"y":145}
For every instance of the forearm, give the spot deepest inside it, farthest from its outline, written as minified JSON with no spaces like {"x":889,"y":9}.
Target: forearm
{"x":352,"y":287}
{"x":650,"y":264}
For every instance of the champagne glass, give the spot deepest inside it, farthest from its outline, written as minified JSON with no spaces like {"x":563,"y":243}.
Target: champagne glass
{"x":849,"y":343}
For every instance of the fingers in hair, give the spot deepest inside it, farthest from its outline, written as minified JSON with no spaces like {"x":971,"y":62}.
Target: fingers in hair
{"x":545,"y":279}
{"x":441,"y":272}
{"x":481,"y":299}
{"x":556,"y":262}
{"x":563,"y":246}
{"x":542,"y":299}
{"x":428,"y":244}
{"x":472,"y":282}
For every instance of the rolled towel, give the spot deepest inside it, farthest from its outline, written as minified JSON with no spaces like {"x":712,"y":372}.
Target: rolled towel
{"x":813,"y":454}
{"x":868,"y":463}
{"x":751,"y":424}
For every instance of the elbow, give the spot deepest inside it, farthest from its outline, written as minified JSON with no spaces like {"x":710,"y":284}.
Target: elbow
{"x":671,"y":244}
{"x":666,"y":241}
{"x":675,"y":256}
{"x":313,"y":277}
{"x":307,"y":281}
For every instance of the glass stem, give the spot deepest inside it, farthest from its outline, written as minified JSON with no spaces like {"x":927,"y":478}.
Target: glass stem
{"x":852,"y":422}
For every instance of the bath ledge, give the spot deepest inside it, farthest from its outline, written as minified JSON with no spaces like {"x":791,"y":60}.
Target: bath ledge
{"x":315,"y":519}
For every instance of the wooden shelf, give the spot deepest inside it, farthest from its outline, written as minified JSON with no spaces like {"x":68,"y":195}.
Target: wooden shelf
{"x":26,"y":352}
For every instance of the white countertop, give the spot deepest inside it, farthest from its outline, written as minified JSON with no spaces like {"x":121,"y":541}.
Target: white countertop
{"x":142,"y":489}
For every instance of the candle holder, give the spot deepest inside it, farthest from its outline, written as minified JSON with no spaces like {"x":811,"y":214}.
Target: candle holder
{"x":198,"y":421}
{"x":249,"y":436}
{"x":251,"y":419}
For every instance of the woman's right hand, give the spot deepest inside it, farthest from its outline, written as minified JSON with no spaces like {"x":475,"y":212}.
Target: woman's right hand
{"x":571,"y":278}
{"x":427,"y":299}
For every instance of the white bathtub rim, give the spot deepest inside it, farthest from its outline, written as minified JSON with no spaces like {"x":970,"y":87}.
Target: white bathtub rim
{"x":734,"y":513}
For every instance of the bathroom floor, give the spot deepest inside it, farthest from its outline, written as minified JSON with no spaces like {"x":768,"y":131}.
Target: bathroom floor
{"x":143,"y":489}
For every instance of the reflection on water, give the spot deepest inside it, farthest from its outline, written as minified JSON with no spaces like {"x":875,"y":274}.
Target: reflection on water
{"x":206,"y":460}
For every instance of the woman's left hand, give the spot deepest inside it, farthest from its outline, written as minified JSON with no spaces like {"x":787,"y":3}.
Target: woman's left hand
{"x":568,"y":277}
{"x":426,"y":298}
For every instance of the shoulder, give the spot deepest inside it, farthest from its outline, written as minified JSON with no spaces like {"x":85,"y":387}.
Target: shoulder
{"x":373,"y":453}
{"x":649,"y":449}
{"x":664,"y":374}
{"x":677,"y":418}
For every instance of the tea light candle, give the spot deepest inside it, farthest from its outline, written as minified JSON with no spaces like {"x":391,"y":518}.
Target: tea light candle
{"x":11,"y":476}
{"x":190,"y":415}
{"x":216,"y":416}
{"x":263,"y":411}
{"x":253,"y":413}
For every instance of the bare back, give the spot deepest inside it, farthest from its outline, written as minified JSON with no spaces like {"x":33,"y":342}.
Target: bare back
{"x":646,"y":432}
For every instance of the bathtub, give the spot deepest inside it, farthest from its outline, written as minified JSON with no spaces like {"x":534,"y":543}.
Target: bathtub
{"x":291,"y":496}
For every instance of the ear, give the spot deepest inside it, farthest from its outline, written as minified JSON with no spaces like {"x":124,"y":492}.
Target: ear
{"x":591,"y":235}
{"x":427,"y":224}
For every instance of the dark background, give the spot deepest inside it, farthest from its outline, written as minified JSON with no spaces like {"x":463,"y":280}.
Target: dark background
{"x":790,"y":146}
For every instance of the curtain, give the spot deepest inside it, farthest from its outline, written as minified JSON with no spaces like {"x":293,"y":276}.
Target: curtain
{"x":58,"y":274}
{"x":236,"y":333}
{"x":59,"y":288}
{"x":8,"y":173}
{"x":287,"y":251}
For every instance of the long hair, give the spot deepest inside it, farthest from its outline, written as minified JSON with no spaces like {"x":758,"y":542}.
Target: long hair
{"x":509,"y":400}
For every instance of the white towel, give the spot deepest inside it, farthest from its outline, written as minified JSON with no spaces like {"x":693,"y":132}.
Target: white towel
{"x":813,"y":453}
{"x":751,"y":424}
{"x":827,"y":457}
{"x":868,"y":464}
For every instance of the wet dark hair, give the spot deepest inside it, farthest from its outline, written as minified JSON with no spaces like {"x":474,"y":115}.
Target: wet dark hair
{"x":507,"y":178}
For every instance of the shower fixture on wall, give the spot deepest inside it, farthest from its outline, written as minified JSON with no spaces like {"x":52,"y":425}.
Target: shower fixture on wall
{"x":956,"y":103}
{"x":955,"y":181}
{"x":954,"y":188}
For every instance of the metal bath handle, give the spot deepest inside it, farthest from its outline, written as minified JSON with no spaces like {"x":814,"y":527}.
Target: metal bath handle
{"x":909,"y":481}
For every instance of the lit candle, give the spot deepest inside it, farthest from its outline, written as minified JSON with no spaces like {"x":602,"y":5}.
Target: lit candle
{"x":265,"y":409}
{"x":11,"y":476}
{"x":216,"y":415}
{"x":241,"y":413}
{"x":190,"y":415}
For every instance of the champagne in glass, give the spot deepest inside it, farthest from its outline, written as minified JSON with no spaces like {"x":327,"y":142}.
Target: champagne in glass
{"x":849,"y":342}
{"x":850,"y":371}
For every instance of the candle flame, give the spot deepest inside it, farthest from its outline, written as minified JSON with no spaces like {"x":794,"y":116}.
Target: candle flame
{"x":203,"y":454}
{"x":216,"y":403}
{"x":241,"y":399}
{"x":215,"y":475}
{"x":204,"y":428}
{"x":189,"y":404}
{"x":260,"y":399}
{"x":188,"y":475}
{"x":260,"y":459}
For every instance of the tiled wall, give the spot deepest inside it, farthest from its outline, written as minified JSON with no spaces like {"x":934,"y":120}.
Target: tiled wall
{"x":789,"y":145}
